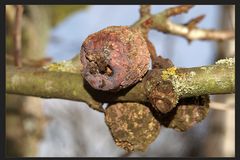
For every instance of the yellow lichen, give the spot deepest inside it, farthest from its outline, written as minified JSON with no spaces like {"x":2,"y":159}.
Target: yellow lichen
{"x":168,"y":72}
{"x":63,"y":66}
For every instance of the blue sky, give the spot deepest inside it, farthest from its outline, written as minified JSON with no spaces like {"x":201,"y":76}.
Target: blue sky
{"x":74,"y":29}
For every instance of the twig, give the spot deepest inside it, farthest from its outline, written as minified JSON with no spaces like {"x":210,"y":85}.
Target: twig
{"x":197,"y":34}
{"x":145,"y":10}
{"x":162,"y":23}
{"x":177,"y":10}
{"x":17,"y":35}
{"x":220,"y":106}
{"x":193,"y":22}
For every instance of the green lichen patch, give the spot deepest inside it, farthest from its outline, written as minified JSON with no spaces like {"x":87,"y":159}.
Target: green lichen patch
{"x":213,"y":79}
{"x":182,"y":83}
{"x":226,"y":61}
{"x":132,"y":125}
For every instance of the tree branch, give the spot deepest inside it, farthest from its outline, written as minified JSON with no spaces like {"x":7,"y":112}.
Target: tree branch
{"x":42,"y":83}
{"x":187,"y":82}
{"x":145,"y":10}
{"x":17,"y":35}
{"x":162,"y":23}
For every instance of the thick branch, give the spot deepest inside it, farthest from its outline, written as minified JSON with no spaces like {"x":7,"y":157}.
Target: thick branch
{"x":46,"y":84}
{"x":190,"y":31}
{"x":187,"y":82}
{"x":212,"y":79}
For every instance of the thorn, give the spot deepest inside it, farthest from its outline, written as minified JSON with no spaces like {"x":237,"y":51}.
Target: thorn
{"x":193,"y":22}
{"x":177,"y":10}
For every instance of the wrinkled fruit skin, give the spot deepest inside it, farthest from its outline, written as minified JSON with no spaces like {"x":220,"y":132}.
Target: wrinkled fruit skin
{"x":187,"y":113}
{"x":132,"y":125}
{"x":114,"y":58}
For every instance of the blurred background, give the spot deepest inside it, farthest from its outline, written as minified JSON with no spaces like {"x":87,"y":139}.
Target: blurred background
{"x":54,"y":127}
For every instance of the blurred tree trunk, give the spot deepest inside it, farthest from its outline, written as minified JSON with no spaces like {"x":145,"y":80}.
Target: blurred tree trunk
{"x":25,"y":119}
{"x":25,"y":123}
{"x":221,"y":139}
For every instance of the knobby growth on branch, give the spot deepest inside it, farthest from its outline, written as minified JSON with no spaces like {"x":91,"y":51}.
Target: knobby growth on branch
{"x":113,"y":68}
